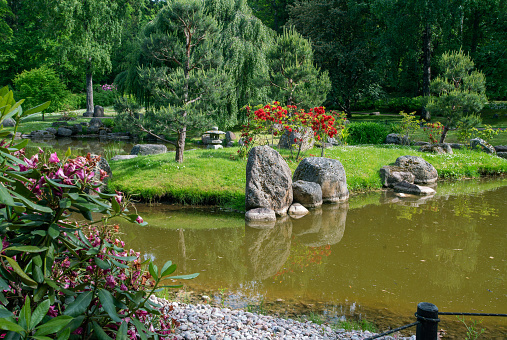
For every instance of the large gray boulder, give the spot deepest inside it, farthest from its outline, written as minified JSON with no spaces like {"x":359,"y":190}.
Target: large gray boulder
{"x":501,"y":148}
{"x":76,"y":128}
{"x":303,"y":138}
{"x":502,"y":154}
{"x":394,"y":138}
{"x":268,"y":181}
{"x":483,"y":145}
{"x":98,"y":111}
{"x":148,"y":149}
{"x":96,"y":122}
{"x":308,"y":194}
{"x":328,"y":173}
{"x":390,"y":175}
{"x":64,"y":132}
{"x":102,"y":165}
{"x":230,"y":136}
{"x":424,"y":172}
{"x":42,"y":134}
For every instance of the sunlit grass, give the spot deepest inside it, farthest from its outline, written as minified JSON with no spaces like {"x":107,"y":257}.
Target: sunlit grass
{"x":217,"y":177}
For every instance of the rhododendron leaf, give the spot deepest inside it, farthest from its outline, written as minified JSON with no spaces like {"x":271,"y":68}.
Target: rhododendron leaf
{"x":123,"y":258}
{"x":106,"y":196}
{"x":40,"y":292}
{"x":121,"y":334}
{"x":83,"y":238}
{"x":3,"y":285}
{"x":106,"y":299}
{"x":102,"y":264}
{"x":65,"y":203}
{"x":99,"y":332}
{"x":36,"y":109}
{"x":68,"y":153}
{"x":116,"y":206}
{"x":4,"y":313}
{"x":40,"y":337}
{"x":39,"y":313}
{"x":56,"y":184}
{"x":28,"y":249}
{"x":52,"y":326}
{"x":168,"y":271}
{"x":121,"y":265}
{"x":25,"y":315}
{"x":53,"y":231}
{"x":140,"y":329}
{"x":22,"y":275}
{"x":54,"y":285}
{"x":152,"y":268}
{"x":10,"y":326}
{"x":79,"y":305}
{"x":184,"y":277}
{"x":5,"y":197}
{"x":64,"y":334}
{"x":37,"y":273}
{"x":93,"y":251}
{"x":32,"y":205}
{"x":73,"y":195}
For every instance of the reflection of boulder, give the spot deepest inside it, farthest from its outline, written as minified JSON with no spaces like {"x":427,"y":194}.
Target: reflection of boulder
{"x":391,"y":197}
{"x":322,"y":226}
{"x":267,"y":249}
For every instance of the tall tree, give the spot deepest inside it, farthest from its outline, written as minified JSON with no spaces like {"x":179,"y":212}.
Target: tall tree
{"x":293,"y":77}
{"x":458,"y":92}
{"x":341,"y":32}
{"x":181,"y":67}
{"x":5,"y":12}
{"x":244,"y":43}
{"x":273,"y":13}
{"x":92,"y":29}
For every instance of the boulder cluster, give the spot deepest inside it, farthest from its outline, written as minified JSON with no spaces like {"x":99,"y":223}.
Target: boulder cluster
{"x":271,"y":189}
{"x":66,"y":129}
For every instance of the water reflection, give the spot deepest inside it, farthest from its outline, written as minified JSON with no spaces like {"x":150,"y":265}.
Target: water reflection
{"x":385,"y":253}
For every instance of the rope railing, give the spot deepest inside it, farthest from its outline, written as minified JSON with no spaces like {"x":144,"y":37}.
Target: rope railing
{"x":427,"y":322}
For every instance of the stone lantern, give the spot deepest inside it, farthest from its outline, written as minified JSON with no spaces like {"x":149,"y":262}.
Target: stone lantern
{"x":213,"y":141}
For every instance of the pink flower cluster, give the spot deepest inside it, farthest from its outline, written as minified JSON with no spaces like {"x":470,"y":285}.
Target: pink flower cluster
{"x":108,"y":87}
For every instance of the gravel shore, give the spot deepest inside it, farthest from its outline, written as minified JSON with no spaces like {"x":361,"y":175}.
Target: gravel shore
{"x":203,"y":321}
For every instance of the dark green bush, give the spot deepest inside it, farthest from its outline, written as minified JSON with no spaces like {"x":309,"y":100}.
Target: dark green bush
{"x":105,"y":95}
{"x":74,"y":101}
{"x":392,"y":105}
{"x":367,"y":133}
{"x":40,"y":85}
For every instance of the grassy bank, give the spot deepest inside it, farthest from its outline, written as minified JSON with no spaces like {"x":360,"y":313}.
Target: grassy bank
{"x":216,"y":177}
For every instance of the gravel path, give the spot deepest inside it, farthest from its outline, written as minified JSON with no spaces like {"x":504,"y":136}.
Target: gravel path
{"x":211,"y":323}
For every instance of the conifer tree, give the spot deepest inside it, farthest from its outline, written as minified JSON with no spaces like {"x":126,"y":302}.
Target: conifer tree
{"x":458,"y":92}
{"x":294,"y":79}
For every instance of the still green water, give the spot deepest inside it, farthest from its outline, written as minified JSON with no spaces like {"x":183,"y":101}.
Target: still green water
{"x":375,"y":257}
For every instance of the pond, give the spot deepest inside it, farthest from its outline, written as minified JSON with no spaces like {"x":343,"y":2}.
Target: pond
{"x":374,"y":257}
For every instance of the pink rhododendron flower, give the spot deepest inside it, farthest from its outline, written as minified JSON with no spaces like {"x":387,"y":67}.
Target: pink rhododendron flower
{"x":54,"y":158}
{"x":139,"y":219}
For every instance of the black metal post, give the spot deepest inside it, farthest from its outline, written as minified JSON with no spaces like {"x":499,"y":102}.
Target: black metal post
{"x":427,"y":315}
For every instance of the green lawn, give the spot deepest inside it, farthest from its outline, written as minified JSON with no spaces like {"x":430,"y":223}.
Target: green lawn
{"x":216,"y":177}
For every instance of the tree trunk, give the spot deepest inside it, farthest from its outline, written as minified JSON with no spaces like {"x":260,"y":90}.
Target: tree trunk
{"x":180,"y":144}
{"x":425,"y":114}
{"x":89,"y":93}
{"x":444,"y":134}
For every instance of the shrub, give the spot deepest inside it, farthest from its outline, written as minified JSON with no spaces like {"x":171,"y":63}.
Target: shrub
{"x":74,"y":101}
{"x":105,"y":95}
{"x":367,"y":133}
{"x":60,"y":278}
{"x":40,"y":85}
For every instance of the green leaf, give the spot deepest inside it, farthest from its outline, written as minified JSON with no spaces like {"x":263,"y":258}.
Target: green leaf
{"x":106,"y":299}
{"x":41,"y":337}
{"x":4,"y":313}
{"x":152,"y":268}
{"x":54,"y":325}
{"x":11,"y":326}
{"x":40,"y":293}
{"x":56,"y":184}
{"x":53,"y":231}
{"x":184,"y":277}
{"x":37,"y":273}
{"x":25,"y":315}
{"x":27,"y":249}
{"x":79,"y":305}
{"x":64,"y":334}
{"x":140,"y":329}
{"x":65,"y":203}
{"x":123,"y":258}
{"x":68,"y":153}
{"x":23,"y":276}
{"x":116,"y":206}
{"x":99,"y":332}
{"x":73,"y":195}
{"x":12,"y":336}
{"x":39,"y":313}
{"x":119,"y":264}
{"x":102,"y":264}
{"x":5,"y":197}
{"x":37,"y":109}
{"x":31,"y":204}
{"x":167,"y":269}
{"x":121,"y":334}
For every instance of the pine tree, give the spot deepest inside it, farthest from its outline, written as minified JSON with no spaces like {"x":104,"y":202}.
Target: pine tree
{"x":294,"y":79}
{"x":458,"y":92}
